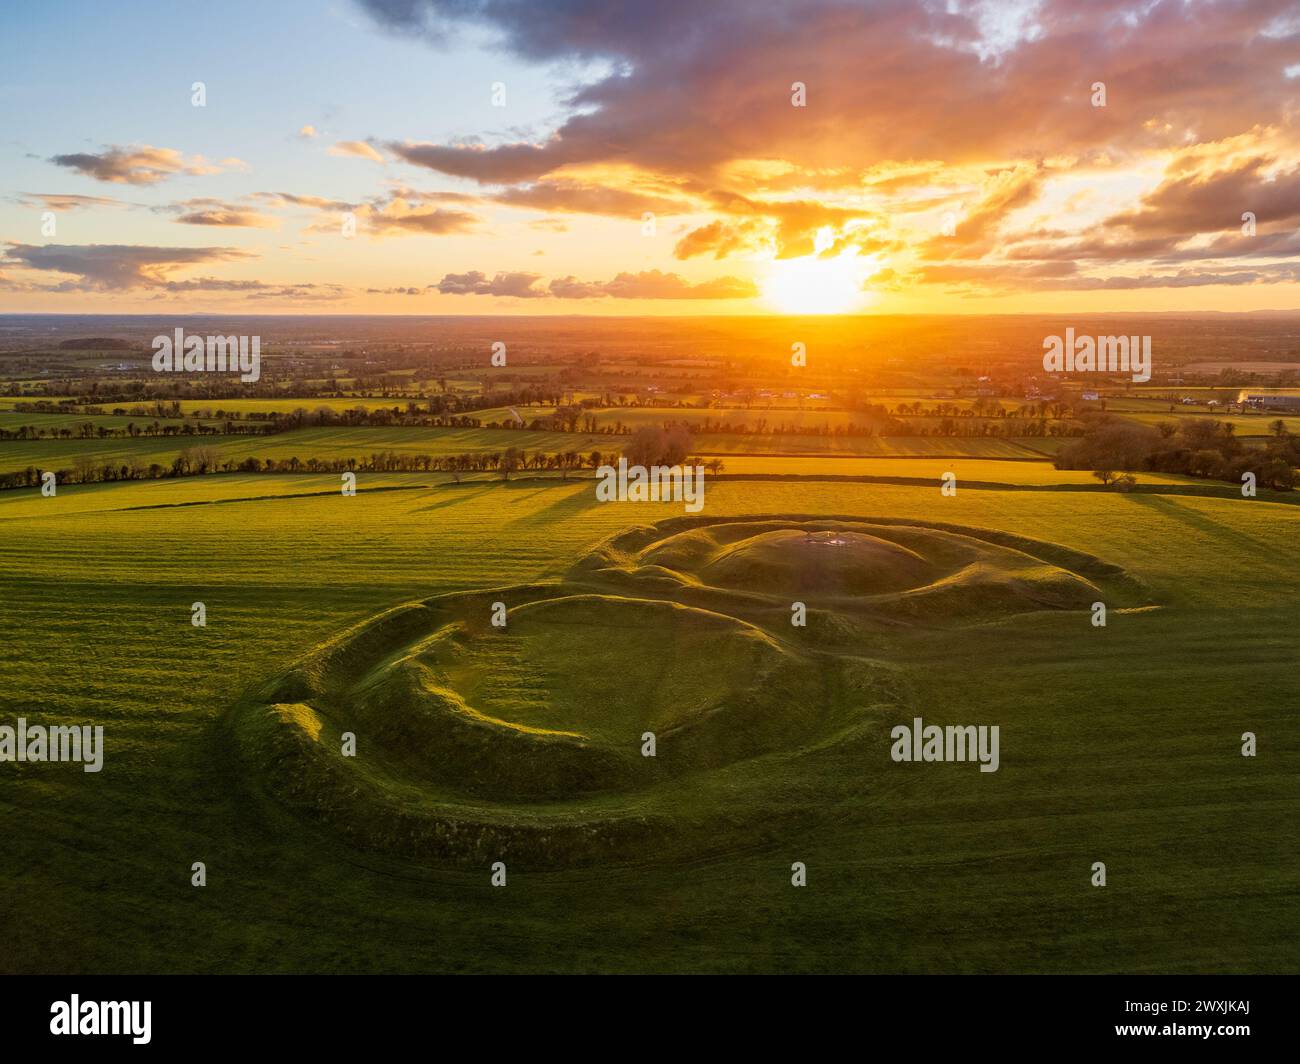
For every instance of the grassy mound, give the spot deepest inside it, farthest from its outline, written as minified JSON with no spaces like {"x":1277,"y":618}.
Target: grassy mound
{"x":605,"y":669}
{"x":475,"y":739}
{"x":892,"y":571}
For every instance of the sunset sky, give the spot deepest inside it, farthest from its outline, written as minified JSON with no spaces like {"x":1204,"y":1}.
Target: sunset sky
{"x":949,"y":157}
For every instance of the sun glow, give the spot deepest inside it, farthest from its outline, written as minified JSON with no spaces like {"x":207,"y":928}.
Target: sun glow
{"x":816,"y":285}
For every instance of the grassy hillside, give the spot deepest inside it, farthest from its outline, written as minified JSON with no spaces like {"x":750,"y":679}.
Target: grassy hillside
{"x":1119,"y":744}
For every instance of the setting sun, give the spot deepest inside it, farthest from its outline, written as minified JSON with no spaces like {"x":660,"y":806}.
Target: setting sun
{"x":815,"y":285}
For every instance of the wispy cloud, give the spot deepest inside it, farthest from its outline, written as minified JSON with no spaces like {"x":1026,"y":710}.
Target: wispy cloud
{"x":215,"y":212}
{"x":648,"y":284}
{"x":358,"y":148}
{"x":59,"y":201}
{"x":140,"y":164}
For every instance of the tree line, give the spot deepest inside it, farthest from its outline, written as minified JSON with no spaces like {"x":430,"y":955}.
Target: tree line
{"x":570,"y":418}
{"x":202,"y":460}
{"x":1192,"y":447}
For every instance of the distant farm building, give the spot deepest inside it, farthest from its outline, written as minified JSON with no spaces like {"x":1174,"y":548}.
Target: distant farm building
{"x":1269,"y":402}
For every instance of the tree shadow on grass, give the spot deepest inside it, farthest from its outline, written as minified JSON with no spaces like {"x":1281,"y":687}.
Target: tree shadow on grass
{"x":520,"y":495}
{"x":566,"y":504}
{"x":454,"y":495}
{"x":1204,"y":524}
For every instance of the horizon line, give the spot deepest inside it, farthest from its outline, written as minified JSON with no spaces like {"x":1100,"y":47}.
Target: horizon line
{"x":1275,"y":312}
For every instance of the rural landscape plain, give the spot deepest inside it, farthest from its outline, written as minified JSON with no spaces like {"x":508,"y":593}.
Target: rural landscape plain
{"x":594,"y":488}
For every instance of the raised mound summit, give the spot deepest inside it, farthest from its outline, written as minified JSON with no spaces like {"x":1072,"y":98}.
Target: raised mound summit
{"x":791,"y":562}
{"x":887,"y":569}
{"x":478,"y":740}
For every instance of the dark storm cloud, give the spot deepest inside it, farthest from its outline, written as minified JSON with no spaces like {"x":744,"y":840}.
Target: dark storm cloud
{"x":696,"y":85}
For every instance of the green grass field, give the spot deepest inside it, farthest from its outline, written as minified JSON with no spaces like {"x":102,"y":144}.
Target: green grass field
{"x":867,"y":446}
{"x":984,"y":470}
{"x":811,"y":416}
{"x":1119,"y":744}
{"x":1242,"y":424}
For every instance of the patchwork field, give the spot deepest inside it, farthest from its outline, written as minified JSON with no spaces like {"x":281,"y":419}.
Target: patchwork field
{"x":1119,"y":744}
